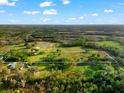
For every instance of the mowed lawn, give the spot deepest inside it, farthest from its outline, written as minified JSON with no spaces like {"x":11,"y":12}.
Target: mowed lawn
{"x":45,"y":47}
{"x":111,"y":44}
{"x":72,"y":53}
{"x":6,"y":48}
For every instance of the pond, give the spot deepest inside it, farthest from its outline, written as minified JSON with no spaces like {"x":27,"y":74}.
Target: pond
{"x":43,"y":45}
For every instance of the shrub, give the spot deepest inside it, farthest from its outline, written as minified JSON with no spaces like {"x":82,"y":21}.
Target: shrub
{"x":55,"y":60}
{"x":15,"y":56}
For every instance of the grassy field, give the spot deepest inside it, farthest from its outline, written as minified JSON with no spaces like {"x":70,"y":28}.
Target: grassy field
{"x":112,"y":44}
{"x":73,"y":53}
{"x":81,"y":65}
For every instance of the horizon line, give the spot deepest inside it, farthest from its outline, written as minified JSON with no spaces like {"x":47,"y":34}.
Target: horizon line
{"x":61,"y":24}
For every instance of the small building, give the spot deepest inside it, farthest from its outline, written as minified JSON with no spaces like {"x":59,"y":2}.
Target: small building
{"x":12,"y":65}
{"x":83,"y":51}
{"x":35,"y":49}
{"x":1,"y":57}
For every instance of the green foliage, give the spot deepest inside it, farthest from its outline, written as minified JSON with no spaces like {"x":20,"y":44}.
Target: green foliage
{"x":55,"y":77}
{"x":74,"y":42}
{"x":15,"y":56}
{"x":113,"y":48}
{"x":55,"y":60}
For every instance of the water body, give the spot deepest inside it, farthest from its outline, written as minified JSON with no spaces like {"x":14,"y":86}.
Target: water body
{"x":43,"y":45}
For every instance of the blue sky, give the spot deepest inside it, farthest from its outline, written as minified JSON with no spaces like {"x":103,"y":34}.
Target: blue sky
{"x":61,"y":11}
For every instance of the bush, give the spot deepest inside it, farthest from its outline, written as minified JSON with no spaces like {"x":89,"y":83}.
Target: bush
{"x":72,"y":43}
{"x":15,"y":56}
{"x":55,"y":60}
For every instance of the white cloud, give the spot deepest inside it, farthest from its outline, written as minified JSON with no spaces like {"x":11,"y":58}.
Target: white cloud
{"x":15,"y":0}
{"x":73,"y":18}
{"x":81,"y":17}
{"x":7,"y":3}
{"x":95,"y":14}
{"x":121,"y":4}
{"x":2,"y":11}
{"x":46,"y":4}
{"x":50,"y":12}
{"x":11,"y":14}
{"x":13,"y":21}
{"x":45,"y":19}
{"x":108,"y":11}
{"x":66,"y":2}
{"x":31,"y":12}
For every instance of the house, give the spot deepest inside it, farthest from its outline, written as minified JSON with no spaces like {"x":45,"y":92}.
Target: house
{"x":1,"y":57}
{"x":12,"y":65}
{"x":35,"y":49}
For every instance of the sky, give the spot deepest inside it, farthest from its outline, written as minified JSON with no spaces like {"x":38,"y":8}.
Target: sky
{"x":61,"y":11}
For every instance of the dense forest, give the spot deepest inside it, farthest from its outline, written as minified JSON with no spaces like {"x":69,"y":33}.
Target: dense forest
{"x":62,"y":59}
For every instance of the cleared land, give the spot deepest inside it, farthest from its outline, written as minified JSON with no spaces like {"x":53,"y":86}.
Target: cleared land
{"x":61,"y":59}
